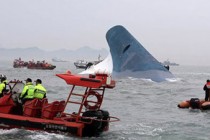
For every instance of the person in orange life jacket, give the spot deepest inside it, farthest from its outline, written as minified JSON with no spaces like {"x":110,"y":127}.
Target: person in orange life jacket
{"x":3,"y":86}
{"x":28,"y":91}
{"x":40,"y":91}
{"x":206,"y":88}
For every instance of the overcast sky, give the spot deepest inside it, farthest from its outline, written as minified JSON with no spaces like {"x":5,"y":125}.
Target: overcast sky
{"x":178,"y":30}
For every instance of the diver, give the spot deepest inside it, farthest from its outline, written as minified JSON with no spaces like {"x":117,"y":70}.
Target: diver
{"x":28,"y":91}
{"x":3,"y":85}
{"x":206,"y":88}
{"x":40,"y":91}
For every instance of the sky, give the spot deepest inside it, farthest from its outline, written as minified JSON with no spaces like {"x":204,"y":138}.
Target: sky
{"x":178,"y":30}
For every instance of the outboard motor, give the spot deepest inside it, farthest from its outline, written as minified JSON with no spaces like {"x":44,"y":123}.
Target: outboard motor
{"x":97,"y":126}
{"x":93,"y":126}
{"x":195,"y":103}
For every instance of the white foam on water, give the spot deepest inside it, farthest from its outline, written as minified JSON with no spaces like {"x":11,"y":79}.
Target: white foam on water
{"x":105,"y":66}
{"x":173,"y":79}
{"x":140,"y":129}
{"x":45,"y":136}
{"x":9,"y":131}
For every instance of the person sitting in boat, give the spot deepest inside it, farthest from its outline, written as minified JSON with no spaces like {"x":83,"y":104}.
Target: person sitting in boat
{"x":3,"y":85}
{"x":40,"y":91}
{"x":28,"y":91}
{"x":206,"y":88}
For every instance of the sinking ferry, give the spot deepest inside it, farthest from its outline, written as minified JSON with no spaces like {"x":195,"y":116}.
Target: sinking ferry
{"x":128,"y":58}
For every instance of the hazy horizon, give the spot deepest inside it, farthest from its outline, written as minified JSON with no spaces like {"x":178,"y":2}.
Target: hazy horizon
{"x":176,"y":30}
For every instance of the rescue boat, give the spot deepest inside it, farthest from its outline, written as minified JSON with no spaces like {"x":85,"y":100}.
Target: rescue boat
{"x":195,"y":103}
{"x":41,"y":65}
{"x":39,"y":114}
{"x":47,"y":67}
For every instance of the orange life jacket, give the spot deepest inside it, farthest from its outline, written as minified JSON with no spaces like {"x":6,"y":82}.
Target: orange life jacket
{"x":208,"y":85}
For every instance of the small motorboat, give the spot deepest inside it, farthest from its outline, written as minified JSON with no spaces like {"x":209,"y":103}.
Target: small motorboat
{"x":84,"y":118}
{"x":81,"y":64}
{"x":195,"y":103}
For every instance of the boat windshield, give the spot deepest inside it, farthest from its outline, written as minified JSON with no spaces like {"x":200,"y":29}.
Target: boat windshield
{"x":17,"y":87}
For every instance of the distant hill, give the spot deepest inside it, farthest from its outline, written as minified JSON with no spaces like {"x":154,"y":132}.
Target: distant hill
{"x":36,"y":53}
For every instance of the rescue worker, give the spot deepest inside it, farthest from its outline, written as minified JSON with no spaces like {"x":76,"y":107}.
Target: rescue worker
{"x":3,"y":86}
{"x":206,"y":88}
{"x":40,"y":91}
{"x":28,"y":91}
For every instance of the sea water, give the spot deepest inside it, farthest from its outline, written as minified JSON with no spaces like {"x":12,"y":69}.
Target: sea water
{"x":147,"y":110}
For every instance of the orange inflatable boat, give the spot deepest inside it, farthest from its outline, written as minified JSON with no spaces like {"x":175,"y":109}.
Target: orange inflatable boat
{"x":195,"y":103}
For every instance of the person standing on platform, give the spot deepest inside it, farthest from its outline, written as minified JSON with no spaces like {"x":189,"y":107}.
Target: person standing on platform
{"x":206,"y":88}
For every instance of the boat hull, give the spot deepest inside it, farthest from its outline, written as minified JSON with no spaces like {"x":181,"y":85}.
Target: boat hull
{"x":42,"y":68}
{"x":41,"y":115}
{"x":86,"y":126}
{"x":30,"y":123}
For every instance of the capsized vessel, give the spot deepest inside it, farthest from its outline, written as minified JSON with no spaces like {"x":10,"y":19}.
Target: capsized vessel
{"x":88,"y":120}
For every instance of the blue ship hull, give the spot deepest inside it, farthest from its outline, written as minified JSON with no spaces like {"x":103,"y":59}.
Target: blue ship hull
{"x":130,"y":58}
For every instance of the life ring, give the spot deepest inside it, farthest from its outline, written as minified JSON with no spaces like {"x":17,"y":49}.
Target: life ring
{"x":97,"y":103}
